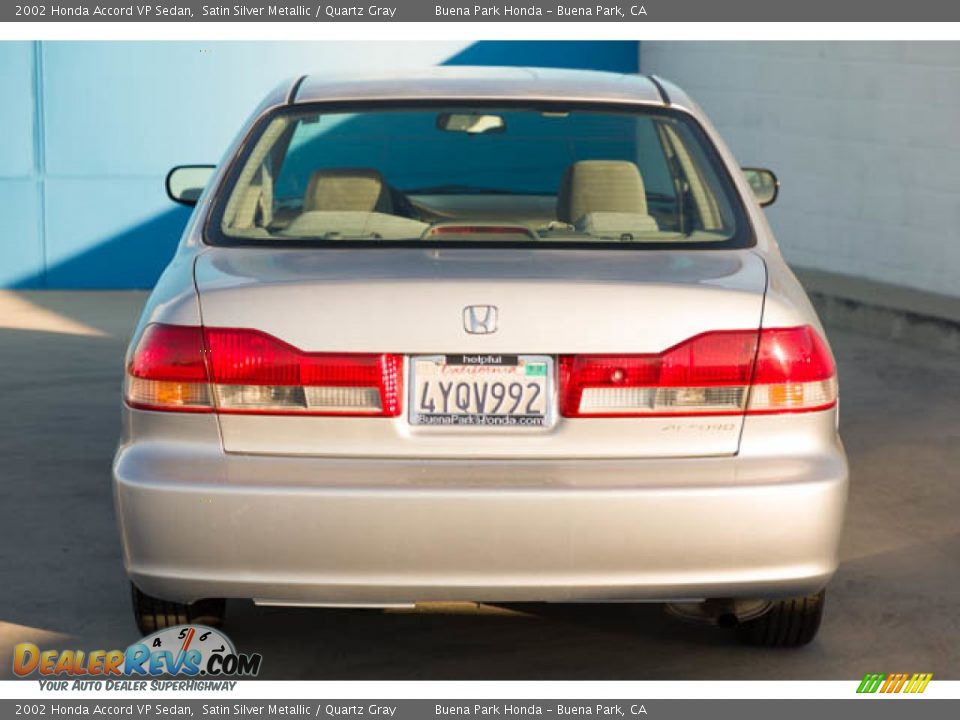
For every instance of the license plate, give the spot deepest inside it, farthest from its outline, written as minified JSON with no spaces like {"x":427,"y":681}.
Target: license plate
{"x":482,"y":390}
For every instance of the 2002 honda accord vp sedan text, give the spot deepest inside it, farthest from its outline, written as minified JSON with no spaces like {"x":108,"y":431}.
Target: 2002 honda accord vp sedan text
{"x":487,"y":335}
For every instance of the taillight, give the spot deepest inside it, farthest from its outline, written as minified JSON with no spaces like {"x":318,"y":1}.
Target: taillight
{"x":247,"y":371}
{"x":710,"y":374}
{"x":167,"y":371}
{"x":794,"y":372}
{"x":252,"y":372}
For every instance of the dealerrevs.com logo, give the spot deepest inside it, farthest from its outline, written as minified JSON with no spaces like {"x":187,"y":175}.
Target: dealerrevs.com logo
{"x":190,"y":651}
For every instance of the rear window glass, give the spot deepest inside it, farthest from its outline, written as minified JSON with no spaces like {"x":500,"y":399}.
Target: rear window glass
{"x":480,"y":174}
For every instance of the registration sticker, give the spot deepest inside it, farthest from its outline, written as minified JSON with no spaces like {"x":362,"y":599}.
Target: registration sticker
{"x":536,"y":369}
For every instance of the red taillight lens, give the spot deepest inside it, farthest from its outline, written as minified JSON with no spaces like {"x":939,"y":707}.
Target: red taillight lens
{"x":792,"y":355}
{"x":247,"y":371}
{"x":709,"y":374}
{"x":169,"y":353}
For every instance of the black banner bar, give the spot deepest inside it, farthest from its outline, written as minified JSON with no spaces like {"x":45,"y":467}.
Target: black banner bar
{"x":226,"y":707}
{"x":632,"y":11}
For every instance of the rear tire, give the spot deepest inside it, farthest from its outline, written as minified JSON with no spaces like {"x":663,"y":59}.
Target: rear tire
{"x":789,"y":623}
{"x":153,"y":614}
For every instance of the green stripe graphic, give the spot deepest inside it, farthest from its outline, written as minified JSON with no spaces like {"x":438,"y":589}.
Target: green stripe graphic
{"x":871,"y":682}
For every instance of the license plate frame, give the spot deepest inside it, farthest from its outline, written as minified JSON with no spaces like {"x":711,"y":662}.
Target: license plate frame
{"x":541,"y":367}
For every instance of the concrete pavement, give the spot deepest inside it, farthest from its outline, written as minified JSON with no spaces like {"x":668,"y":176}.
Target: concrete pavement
{"x":892,"y":607}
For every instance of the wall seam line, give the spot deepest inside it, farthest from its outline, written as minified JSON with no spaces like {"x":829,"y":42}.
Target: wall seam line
{"x":40,"y":156}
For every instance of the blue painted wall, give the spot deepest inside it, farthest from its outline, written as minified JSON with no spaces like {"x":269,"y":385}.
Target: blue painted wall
{"x":90,"y":129}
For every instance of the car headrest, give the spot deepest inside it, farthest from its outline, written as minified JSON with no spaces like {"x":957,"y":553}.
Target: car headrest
{"x":347,"y":189}
{"x":590,"y":186}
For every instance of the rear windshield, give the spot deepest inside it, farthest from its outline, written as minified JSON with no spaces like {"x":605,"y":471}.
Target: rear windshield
{"x":474,"y":174}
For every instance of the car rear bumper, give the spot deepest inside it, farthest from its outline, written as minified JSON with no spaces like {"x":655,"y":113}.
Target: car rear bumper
{"x":198,"y":523}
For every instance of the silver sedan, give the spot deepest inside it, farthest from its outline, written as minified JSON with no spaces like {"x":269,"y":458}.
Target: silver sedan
{"x":495,"y":335}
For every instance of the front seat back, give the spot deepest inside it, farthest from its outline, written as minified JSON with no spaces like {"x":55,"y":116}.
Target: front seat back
{"x":600,"y":186}
{"x":347,"y":190}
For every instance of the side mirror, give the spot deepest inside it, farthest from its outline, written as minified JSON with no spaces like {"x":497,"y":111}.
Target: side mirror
{"x":185,"y":183}
{"x":764,"y":184}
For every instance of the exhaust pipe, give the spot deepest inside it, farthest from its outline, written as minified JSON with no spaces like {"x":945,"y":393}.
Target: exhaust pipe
{"x":720,"y":612}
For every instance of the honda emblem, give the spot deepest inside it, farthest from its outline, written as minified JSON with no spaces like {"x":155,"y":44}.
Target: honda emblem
{"x":480,"y":319}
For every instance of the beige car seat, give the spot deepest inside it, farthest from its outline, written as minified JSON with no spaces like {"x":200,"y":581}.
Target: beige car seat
{"x":351,"y":203}
{"x":347,"y":189}
{"x":604,"y":195}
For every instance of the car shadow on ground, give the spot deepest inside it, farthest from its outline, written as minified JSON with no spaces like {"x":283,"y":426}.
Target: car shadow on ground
{"x":535,"y":641}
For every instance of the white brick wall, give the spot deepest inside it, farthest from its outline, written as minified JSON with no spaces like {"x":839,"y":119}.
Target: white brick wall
{"x":865,"y":138}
